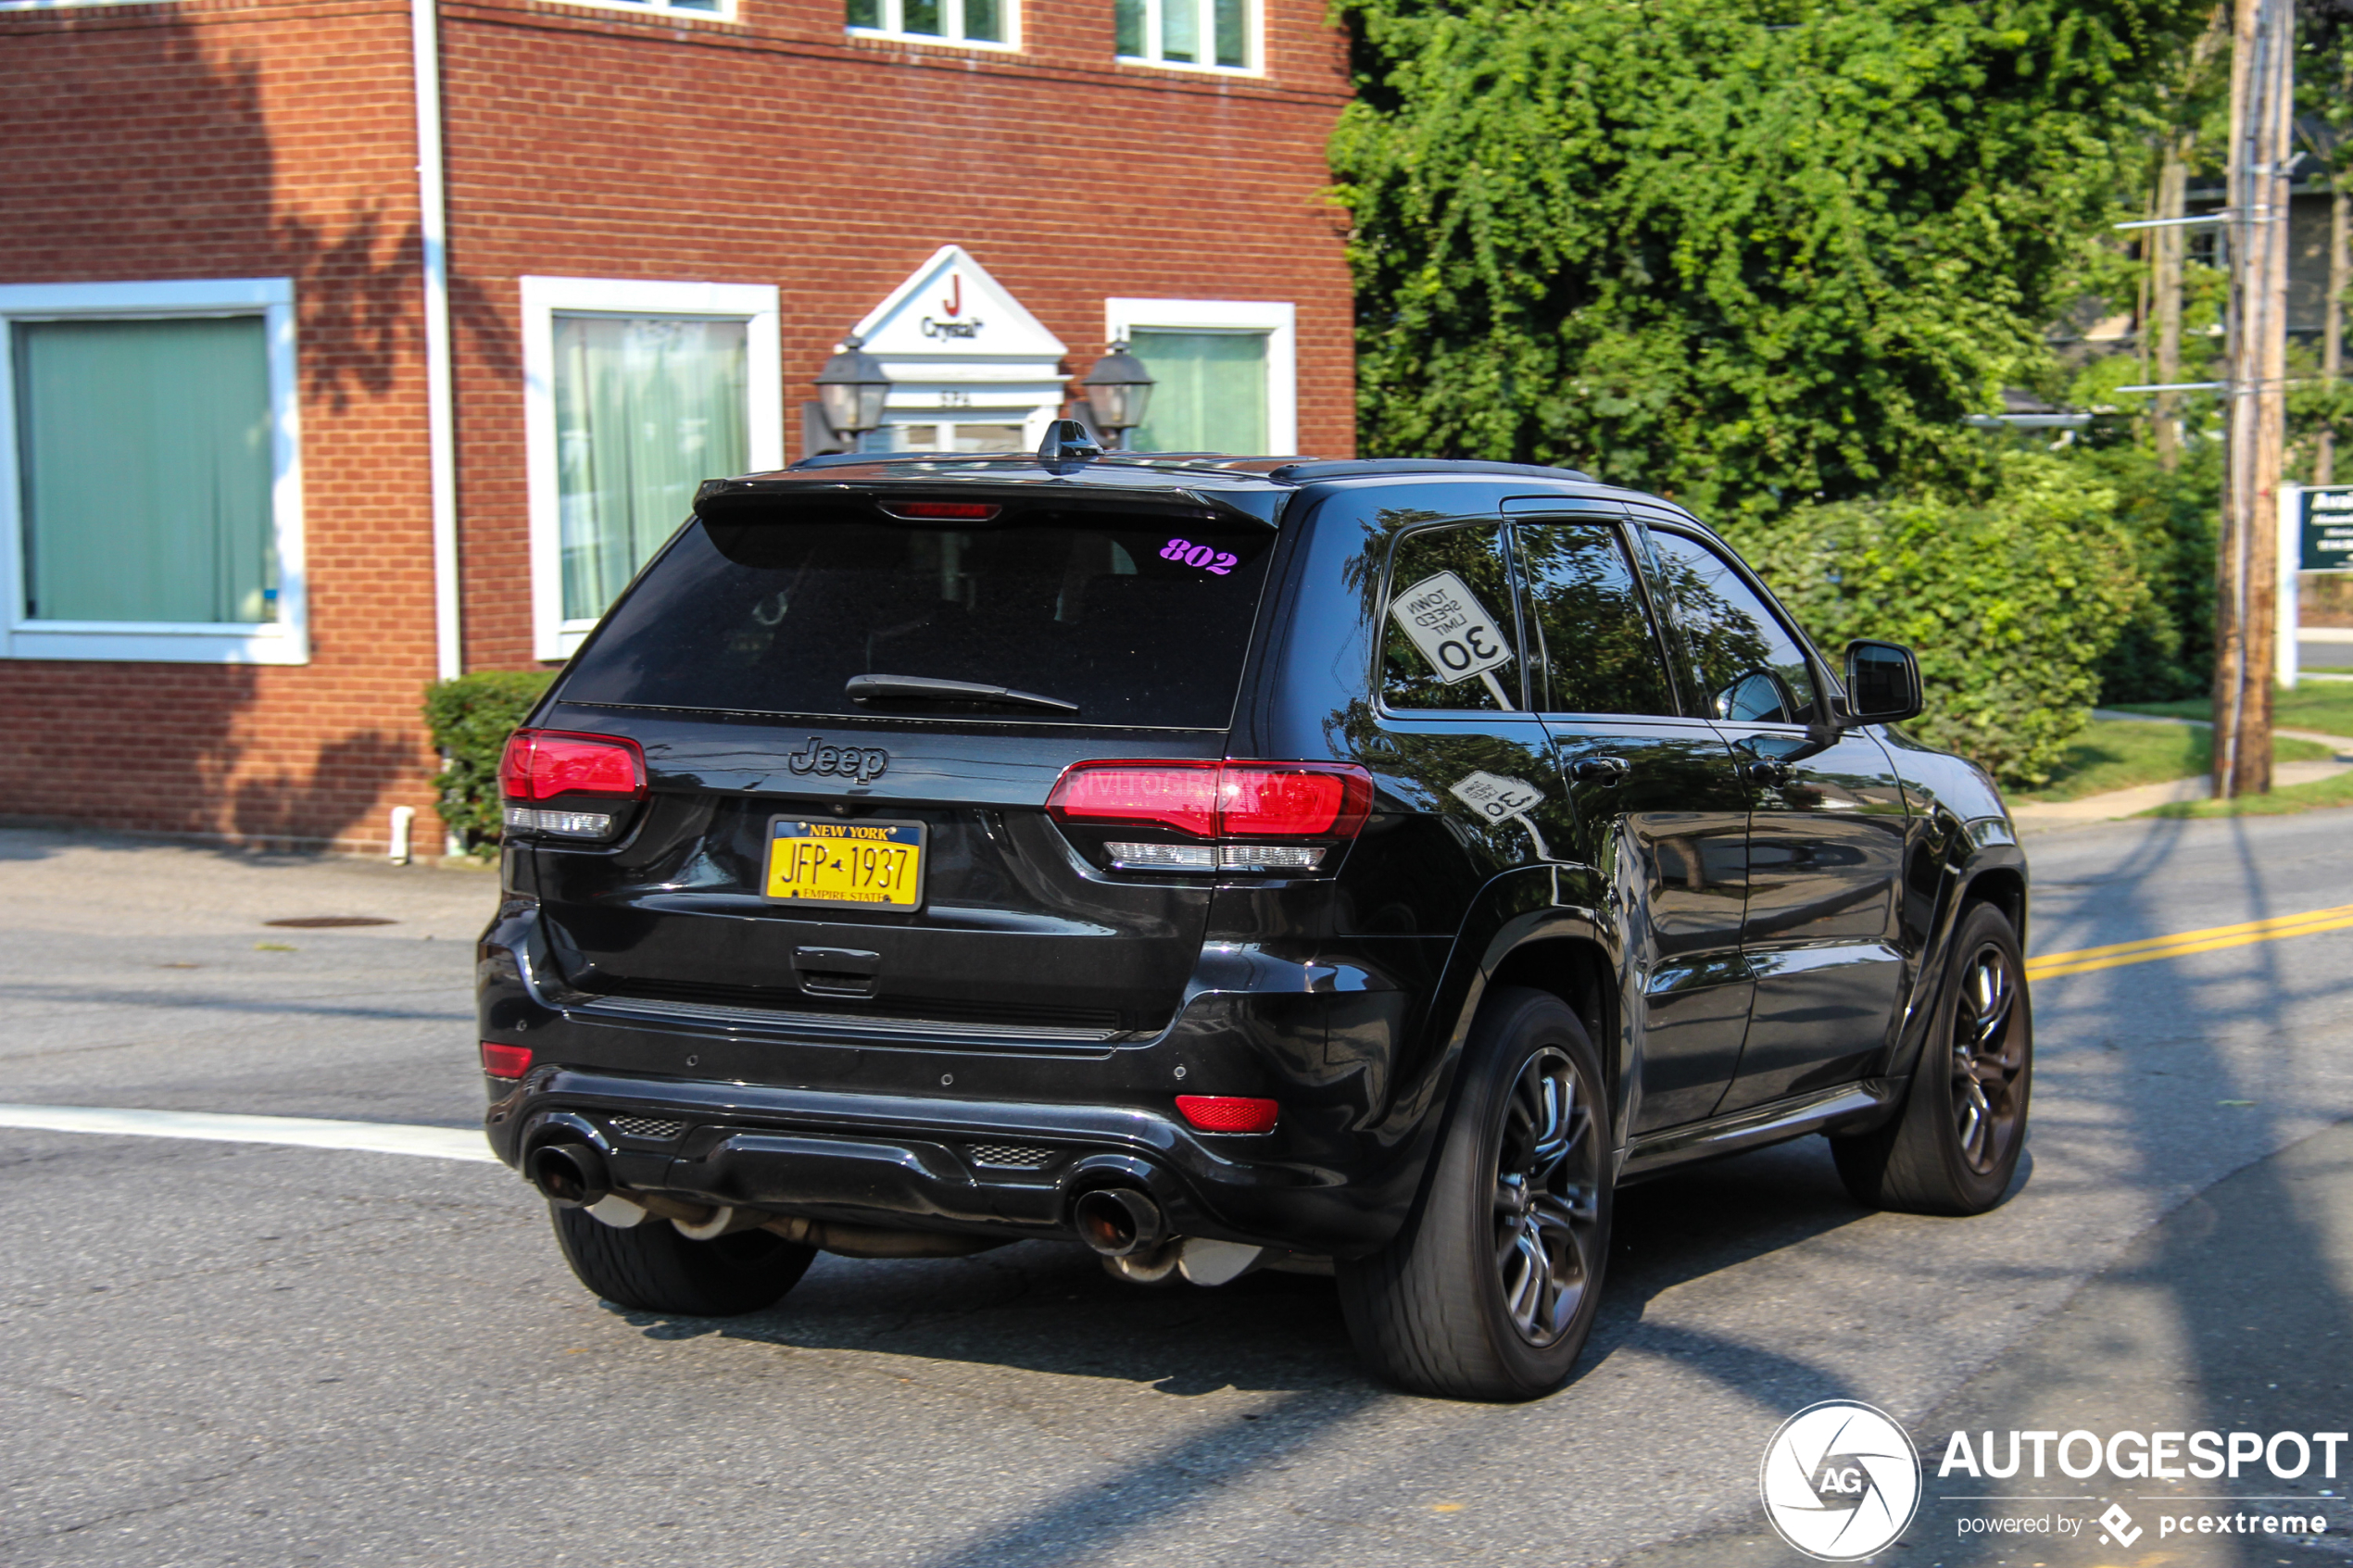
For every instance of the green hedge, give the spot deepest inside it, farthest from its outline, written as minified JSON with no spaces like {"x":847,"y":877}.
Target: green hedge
{"x":2167,"y":651}
{"x":2012,"y":602}
{"x":470,"y":717}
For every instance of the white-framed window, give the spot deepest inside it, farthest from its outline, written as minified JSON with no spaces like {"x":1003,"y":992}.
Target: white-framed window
{"x":634,"y":394}
{"x":717,"y":10}
{"x":1224,"y":373}
{"x":150,"y":472}
{"x":979,"y":24}
{"x":1188,"y":35}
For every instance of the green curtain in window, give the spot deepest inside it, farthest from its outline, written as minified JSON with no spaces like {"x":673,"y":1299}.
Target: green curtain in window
{"x":144,"y":452}
{"x":1179,"y":30}
{"x":1209,"y":391}
{"x":1233,"y":46}
{"x":646,"y":408}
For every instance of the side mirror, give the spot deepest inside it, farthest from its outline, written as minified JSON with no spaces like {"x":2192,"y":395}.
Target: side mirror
{"x":1882,"y":683}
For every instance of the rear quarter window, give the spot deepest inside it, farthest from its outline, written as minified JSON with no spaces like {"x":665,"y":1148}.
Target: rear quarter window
{"x":1138,"y":622}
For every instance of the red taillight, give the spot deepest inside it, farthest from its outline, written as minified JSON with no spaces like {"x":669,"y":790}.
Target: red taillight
{"x":543,"y":764}
{"x":1182,"y":795}
{"x":1217,"y":800}
{"x":1228,"y":1113}
{"x":1287,"y":800}
{"x":950,"y":511}
{"x":505,"y":1062}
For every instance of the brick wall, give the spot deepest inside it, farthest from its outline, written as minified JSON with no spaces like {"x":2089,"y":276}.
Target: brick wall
{"x":209,"y":139}
{"x":587,"y":143}
{"x":214,"y":139}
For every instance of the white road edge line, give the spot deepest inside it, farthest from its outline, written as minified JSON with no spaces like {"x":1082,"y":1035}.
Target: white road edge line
{"x":299,"y":1132}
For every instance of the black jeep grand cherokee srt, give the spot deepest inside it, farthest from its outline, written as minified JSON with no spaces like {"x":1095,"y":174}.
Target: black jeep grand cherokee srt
{"x":1228,"y":863}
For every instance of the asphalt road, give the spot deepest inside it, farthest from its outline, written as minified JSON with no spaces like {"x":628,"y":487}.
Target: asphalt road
{"x":228,"y":1353}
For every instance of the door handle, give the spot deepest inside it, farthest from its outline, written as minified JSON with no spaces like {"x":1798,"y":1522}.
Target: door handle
{"x":1767,"y":771}
{"x":1598,"y":770}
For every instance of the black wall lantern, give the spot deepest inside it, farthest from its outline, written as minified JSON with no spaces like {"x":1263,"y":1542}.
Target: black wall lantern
{"x":851,"y":391}
{"x":1117,"y":390}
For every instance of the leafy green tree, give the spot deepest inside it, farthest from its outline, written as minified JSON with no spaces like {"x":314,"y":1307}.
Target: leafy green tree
{"x":1749,"y":253}
{"x":2012,"y":602}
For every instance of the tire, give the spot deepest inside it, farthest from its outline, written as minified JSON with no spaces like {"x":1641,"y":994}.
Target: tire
{"x":1954,"y":1148}
{"x":650,"y":1268}
{"x":1490,"y":1289}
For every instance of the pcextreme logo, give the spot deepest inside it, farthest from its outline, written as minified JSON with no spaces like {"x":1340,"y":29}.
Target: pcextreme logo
{"x":1840,"y":1480}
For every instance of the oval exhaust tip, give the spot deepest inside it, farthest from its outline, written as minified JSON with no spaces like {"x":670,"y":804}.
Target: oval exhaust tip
{"x":1118,"y":1221}
{"x":571,"y":1176}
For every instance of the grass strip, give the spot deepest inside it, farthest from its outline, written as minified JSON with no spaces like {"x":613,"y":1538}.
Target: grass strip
{"x":2319,"y":796}
{"x":2114,"y":753}
{"x":2325,"y":706}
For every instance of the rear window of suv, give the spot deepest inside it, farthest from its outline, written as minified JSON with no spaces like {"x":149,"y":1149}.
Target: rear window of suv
{"x":1137,"y":622}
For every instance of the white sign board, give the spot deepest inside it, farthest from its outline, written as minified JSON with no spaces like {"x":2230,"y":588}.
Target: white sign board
{"x":958,"y":345}
{"x":1452,"y":630}
{"x":1498,"y":798}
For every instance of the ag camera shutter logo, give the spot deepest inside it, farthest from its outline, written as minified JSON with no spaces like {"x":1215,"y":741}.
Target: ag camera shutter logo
{"x":1841,"y":1481}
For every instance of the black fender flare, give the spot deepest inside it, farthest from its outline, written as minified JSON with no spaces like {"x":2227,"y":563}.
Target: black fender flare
{"x":1983,"y":863}
{"x":1512,"y":911}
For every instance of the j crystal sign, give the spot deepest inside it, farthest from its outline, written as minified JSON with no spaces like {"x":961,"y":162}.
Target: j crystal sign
{"x":2327,"y":533}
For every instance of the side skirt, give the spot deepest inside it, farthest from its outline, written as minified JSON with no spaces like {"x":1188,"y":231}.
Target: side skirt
{"x":1847,"y":1108}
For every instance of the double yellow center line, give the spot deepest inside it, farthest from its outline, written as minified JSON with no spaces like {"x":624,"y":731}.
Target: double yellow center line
{"x":2086,"y":959}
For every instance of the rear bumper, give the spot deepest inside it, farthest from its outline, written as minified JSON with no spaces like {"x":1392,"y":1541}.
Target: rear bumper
{"x":870,"y":1121}
{"x":1003,"y":1169}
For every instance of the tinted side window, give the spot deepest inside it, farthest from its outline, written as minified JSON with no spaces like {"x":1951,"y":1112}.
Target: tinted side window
{"x":1450,"y":638}
{"x":1750,"y":670}
{"x":1592,"y":634}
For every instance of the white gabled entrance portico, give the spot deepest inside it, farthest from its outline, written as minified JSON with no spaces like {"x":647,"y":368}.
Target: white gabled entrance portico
{"x":971,"y":370}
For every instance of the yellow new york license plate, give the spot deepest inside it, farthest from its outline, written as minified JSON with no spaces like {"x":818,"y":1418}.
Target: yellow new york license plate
{"x":864,"y":865}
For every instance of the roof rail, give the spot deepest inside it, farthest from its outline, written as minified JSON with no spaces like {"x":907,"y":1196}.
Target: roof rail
{"x":1372,"y":468}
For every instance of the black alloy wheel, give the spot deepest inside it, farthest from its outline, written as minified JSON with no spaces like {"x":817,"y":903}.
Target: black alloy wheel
{"x":1954,"y":1146}
{"x":1548,"y":1177}
{"x":1988,"y":1060}
{"x":1489,"y":1288}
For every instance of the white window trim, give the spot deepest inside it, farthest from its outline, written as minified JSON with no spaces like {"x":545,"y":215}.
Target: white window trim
{"x":1253,"y":42}
{"x":647,"y":9}
{"x":755,"y":305}
{"x":284,"y":640}
{"x":1010,"y":44}
{"x":1277,"y":320}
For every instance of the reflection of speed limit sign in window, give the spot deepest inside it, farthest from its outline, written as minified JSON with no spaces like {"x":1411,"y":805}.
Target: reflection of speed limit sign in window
{"x":1452,"y":630}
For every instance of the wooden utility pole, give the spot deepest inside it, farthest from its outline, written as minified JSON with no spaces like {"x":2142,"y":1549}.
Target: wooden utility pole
{"x":2333,"y":313}
{"x":2165,"y":247}
{"x":2168,"y":240}
{"x":2246,"y":610}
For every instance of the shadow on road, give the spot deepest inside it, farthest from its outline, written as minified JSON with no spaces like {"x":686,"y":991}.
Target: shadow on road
{"x":1042,"y":1307}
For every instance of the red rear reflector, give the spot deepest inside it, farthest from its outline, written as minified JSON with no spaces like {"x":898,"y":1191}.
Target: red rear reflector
{"x":1228,"y":1113}
{"x":505,"y":1062}
{"x":542,"y":764}
{"x":1218,"y":799}
{"x":955,"y":512}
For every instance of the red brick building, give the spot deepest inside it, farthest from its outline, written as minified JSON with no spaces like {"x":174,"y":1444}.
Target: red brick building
{"x":302,"y":409}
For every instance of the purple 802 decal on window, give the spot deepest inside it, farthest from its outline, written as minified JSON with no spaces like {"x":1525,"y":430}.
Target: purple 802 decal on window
{"x":1217,"y":562}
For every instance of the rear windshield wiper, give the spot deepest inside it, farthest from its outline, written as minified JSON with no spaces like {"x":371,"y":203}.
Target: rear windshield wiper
{"x":929,"y":688}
